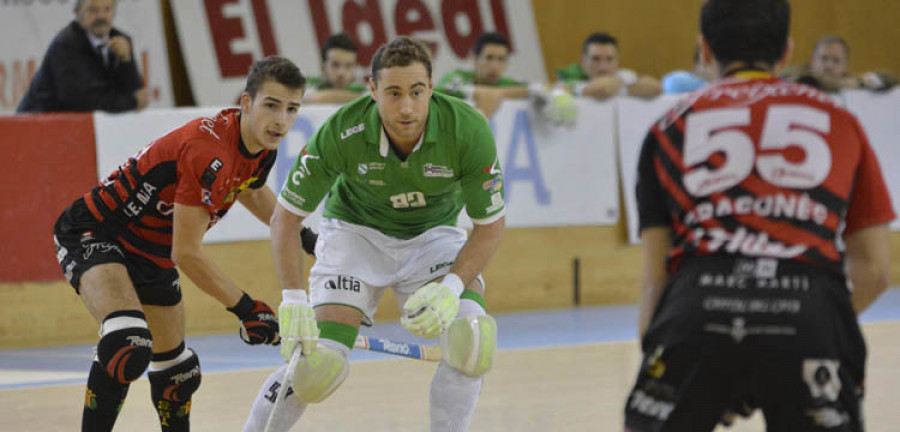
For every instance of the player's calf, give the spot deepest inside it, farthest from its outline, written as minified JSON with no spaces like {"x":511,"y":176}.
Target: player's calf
{"x":174,"y":376}
{"x":122,"y":355}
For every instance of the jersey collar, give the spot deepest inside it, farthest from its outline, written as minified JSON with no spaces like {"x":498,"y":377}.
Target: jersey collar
{"x":381,"y":140}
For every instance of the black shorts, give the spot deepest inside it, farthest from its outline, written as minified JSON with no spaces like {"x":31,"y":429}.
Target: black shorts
{"x":82,"y":242}
{"x":768,"y":334}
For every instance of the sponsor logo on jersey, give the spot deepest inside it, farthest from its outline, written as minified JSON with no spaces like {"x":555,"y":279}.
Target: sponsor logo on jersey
{"x":207,"y":124}
{"x":216,"y":165}
{"x":746,"y":243}
{"x":439,"y":266}
{"x":232,"y":194}
{"x":344,"y":283}
{"x":493,"y":184}
{"x":432,"y":170}
{"x":362,"y":169}
{"x":353,"y":131}
{"x":374,"y":182}
{"x":376,"y":165}
{"x":496,"y":203}
{"x":650,"y":406}
{"x":206,"y":196}
{"x":302,"y":171}
{"x":492,"y":168}
{"x":142,"y":197}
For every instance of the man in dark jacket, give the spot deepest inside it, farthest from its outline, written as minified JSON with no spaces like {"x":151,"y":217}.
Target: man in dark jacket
{"x":89,"y":66}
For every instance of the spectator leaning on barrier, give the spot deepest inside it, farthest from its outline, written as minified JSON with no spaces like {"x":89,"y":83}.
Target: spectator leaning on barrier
{"x":338,"y":82}
{"x":487,"y":86}
{"x":89,"y":66}
{"x":599,"y":75}
{"x":682,"y":81}
{"x":829,"y":70}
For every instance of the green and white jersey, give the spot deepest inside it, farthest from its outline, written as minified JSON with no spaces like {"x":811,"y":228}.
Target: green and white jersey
{"x":460,"y":83}
{"x":317,"y":83}
{"x":454,"y":164}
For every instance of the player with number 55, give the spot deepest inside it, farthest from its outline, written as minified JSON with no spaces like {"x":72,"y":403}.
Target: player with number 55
{"x":397,"y":165}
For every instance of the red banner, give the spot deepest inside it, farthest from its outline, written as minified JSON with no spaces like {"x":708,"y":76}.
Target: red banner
{"x":53,"y":163}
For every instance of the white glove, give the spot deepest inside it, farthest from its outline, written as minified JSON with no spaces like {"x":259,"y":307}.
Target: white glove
{"x":556,"y":106}
{"x":297,"y":323}
{"x":429,"y":311}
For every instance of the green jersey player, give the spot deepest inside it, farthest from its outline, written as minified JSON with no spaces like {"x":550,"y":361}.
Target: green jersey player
{"x":397,"y":169}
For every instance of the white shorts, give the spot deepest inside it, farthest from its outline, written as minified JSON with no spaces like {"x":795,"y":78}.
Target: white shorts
{"x":354,"y":264}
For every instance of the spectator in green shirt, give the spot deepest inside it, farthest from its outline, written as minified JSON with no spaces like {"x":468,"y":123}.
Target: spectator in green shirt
{"x":338,"y":82}
{"x":485,"y":85}
{"x":599,"y":75}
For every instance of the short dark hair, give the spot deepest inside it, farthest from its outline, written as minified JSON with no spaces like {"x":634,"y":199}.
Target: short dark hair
{"x":751,"y":31}
{"x":402,"y":51}
{"x":338,"y":41}
{"x":275,"y":68}
{"x":489,"y":38}
{"x":832,"y":39}
{"x":599,"y":38}
{"x":78,"y":4}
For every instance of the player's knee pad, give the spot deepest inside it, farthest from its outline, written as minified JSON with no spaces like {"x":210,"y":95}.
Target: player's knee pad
{"x":126,"y":347}
{"x":319,"y":374}
{"x":178,"y":382}
{"x":470,"y":343}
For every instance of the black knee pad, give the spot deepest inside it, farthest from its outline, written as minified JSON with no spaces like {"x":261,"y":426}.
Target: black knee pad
{"x":125,"y":353}
{"x":176,"y":383}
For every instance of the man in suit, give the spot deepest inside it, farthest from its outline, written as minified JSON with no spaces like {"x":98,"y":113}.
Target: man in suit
{"x":89,"y":66}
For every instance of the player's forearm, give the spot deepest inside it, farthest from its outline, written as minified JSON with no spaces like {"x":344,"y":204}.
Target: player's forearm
{"x":260,"y":202}
{"x":645,"y":87}
{"x":655,"y":248}
{"x":868,"y":265}
{"x":478,"y":250}
{"x":508,"y":92}
{"x":201,"y":270}
{"x":286,"y":250}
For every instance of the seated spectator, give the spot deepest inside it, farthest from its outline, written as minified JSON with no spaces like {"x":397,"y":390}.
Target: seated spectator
{"x":829,"y":70}
{"x":338,"y":82}
{"x":599,"y":75}
{"x":89,"y":66}
{"x":682,"y":81}
{"x":487,"y":86}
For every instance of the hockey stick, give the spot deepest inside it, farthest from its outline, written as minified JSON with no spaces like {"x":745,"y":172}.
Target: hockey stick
{"x":405,"y":349}
{"x":285,"y":383}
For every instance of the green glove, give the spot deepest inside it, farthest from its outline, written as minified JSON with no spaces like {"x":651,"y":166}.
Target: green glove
{"x":429,"y":311}
{"x":297,"y":323}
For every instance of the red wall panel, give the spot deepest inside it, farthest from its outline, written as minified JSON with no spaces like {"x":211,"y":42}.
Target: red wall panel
{"x":50,"y":161}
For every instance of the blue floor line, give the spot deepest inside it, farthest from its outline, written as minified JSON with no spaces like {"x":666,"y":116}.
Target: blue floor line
{"x":521,"y":330}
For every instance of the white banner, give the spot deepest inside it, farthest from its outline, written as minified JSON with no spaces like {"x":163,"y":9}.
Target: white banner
{"x":877,"y":113}
{"x":635,"y":118}
{"x":553,"y":177}
{"x":222,"y":38}
{"x":28,"y":27}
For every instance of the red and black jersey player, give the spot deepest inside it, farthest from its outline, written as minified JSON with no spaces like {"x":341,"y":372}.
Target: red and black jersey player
{"x":119,"y":244}
{"x":763,"y":213}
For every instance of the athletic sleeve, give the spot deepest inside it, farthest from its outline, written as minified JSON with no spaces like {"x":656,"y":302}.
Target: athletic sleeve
{"x":198,"y":176}
{"x":651,"y":200}
{"x":870,"y":202}
{"x":482,"y":179}
{"x":313,"y":174}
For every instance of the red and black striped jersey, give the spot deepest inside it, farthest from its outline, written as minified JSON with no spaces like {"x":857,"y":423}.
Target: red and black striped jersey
{"x":203,"y":163}
{"x":755,"y":166}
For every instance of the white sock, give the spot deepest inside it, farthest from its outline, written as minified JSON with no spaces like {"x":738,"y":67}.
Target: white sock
{"x":289,"y":411}
{"x":453,"y":393}
{"x":453,"y":398}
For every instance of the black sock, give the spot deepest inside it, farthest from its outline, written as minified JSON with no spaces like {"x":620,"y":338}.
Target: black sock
{"x":171,"y":390}
{"x":103,"y":400}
